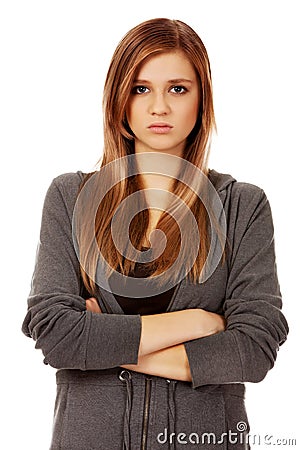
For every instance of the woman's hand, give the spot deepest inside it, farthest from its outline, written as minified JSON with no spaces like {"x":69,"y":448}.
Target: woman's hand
{"x":92,"y":305}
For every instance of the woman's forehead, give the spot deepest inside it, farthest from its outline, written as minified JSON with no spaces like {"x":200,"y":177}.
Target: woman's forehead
{"x":171,"y":66}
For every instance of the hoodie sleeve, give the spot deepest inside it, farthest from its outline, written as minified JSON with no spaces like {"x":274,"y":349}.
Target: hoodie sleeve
{"x":57,"y":318}
{"x":256,"y":327}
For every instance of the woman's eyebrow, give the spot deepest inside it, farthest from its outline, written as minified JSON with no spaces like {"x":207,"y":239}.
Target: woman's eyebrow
{"x":175,"y":80}
{"x":180,"y":80}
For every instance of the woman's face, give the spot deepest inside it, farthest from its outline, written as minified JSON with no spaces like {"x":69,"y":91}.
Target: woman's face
{"x":164,"y":103}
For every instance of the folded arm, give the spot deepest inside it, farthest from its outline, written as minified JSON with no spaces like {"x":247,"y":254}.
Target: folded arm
{"x":162,"y":352}
{"x":171,"y":362}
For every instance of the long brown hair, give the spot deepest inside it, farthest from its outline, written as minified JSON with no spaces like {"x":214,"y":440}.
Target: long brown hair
{"x":147,"y":39}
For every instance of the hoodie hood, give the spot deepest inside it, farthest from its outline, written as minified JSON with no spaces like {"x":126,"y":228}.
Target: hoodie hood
{"x":221,"y":181}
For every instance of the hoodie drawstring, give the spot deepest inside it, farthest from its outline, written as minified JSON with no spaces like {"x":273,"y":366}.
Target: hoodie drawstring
{"x":125,"y":377}
{"x":171,"y":413}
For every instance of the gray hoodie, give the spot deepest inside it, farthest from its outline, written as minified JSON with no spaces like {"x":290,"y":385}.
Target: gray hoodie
{"x":101,"y":406}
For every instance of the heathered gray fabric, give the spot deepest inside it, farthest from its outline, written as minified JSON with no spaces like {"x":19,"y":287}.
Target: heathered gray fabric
{"x":88,"y":348}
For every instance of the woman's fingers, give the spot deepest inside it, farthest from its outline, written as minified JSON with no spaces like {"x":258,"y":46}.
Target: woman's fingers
{"x":92,"y":305}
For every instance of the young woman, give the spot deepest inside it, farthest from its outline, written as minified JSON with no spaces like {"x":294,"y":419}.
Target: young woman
{"x":149,"y":356}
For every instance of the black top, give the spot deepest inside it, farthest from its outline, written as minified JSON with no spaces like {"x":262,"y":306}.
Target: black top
{"x":145,"y":305}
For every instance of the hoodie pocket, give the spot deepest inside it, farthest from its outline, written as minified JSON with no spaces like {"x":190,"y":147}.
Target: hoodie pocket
{"x":59,"y":415}
{"x":202,"y":415}
{"x":189,"y":419}
{"x":88,"y":416}
{"x":237,"y":423}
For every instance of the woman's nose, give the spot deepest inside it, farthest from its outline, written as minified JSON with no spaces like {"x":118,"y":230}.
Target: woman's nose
{"x":159,"y":105}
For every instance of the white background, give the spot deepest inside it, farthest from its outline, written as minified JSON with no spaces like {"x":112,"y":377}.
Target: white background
{"x":54,"y":57}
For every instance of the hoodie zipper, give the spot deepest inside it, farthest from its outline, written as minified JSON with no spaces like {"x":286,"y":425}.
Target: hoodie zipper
{"x":146,"y":413}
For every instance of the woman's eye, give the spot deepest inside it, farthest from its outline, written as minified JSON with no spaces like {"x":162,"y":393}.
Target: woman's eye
{"x":140,"y":90}
{"x":178,"y":89}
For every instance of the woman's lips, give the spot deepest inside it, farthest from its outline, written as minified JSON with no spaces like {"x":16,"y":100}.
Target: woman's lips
{"x":160,"y":128}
